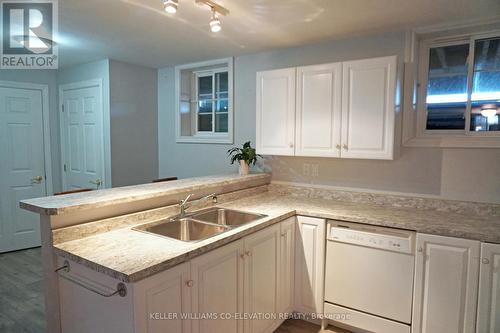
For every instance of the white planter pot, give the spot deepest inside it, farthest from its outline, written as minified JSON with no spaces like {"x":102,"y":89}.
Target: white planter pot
{"x":244,"y":168}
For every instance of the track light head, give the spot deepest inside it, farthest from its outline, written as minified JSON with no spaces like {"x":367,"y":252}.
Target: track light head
{"x":171,"y":6}
{"x":215,"y":24}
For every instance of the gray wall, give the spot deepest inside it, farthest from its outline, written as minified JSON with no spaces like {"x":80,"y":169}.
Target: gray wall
{"x":49,"y":78}
{"x":134,"y":136}
{"x":463,"y":174}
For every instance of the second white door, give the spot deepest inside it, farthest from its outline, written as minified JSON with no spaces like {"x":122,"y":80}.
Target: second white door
{"x":82,"y":135}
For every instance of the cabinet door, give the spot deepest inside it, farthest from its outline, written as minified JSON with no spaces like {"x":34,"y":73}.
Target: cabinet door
{"x":162,"y":300}
{"x":309,"y":264}
{"x":318,"y":110}
{"x":446,"y":279}
{"x":368,"y":92}
{"x":488,"y":318}
{"x":276,"y":112}
{"x":261,"y":278}
{"x":217,"y":288}
{"x":287,"y":265}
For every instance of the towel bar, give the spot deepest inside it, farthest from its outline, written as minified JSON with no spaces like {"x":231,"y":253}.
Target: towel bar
{"x":121,"y":288}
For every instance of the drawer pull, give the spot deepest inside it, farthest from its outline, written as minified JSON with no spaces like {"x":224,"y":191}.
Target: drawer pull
{"x":121,"y":288}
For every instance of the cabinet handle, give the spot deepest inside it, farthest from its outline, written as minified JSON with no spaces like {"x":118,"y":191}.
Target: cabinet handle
{"x":485,"y":261}
{"x":337,"y":146}
{"x":189,"y":283}
{"x":290,"y":145}
{"x":248,"y":253}
{"x":242,"y":256}
{"x":345,"y":147}
{"x":283,"y":234}
{"x":420,"y":249}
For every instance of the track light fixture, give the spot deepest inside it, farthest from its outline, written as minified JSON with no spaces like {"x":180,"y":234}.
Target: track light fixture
{"x":215,"y":25}
{"x":171,"y":6}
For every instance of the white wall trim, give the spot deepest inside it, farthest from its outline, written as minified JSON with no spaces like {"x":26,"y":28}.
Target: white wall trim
{"x":463,"y":24}
{"x":210,"y":139}
{"x":106,"y":128}
{"x":44,"y":90}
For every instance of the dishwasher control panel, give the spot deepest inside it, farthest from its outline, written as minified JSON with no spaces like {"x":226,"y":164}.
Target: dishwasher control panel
{"x":376,"y":237}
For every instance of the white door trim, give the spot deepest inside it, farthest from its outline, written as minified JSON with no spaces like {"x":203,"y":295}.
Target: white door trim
{"x":106,"y":132}
{"x":44,"y":89}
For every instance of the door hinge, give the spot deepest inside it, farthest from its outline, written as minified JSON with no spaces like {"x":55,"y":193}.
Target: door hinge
{"x":64,"y":167}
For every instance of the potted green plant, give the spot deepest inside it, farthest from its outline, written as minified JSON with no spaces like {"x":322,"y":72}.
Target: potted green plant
{"x":246,"y":156}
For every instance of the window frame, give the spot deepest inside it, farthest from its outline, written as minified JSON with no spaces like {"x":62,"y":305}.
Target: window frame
{"x":219,"y":65}
{"x":422,"y":82}
{"x":214,"y":99}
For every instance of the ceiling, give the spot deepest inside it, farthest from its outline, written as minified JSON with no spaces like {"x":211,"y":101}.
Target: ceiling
{"x":140,"y":32}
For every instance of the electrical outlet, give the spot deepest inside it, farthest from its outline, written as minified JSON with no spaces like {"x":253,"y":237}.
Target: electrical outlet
{"x":306,"y":169}
{"x":314,"y":170}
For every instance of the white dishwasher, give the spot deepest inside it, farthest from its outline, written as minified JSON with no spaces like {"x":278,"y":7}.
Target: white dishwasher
{"x":369,"y":277}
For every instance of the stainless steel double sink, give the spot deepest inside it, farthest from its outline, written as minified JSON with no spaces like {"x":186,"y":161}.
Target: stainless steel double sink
{"x":199,"y":225}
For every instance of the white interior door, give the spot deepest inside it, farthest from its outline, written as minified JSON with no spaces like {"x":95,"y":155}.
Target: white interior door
{"x":22,"y":170}
{"x":82,"y":136}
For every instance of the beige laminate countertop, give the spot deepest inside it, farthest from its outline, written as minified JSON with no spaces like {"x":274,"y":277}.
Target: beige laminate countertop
{"x":78,"y":202}
{"x":130,"y":256}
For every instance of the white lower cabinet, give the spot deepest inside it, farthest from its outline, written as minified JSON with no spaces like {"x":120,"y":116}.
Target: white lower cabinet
{"x":261,"y":278}
{"x":250,"y":277}
{"x":287,"y":266}
{"x":309,"y":264}
{"x":488,"y":316}
{"x":445,"y":291}
{"x":217,"y":288}
{"x":154,"y":310}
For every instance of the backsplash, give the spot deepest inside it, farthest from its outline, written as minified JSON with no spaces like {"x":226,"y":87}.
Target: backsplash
{"x":390,"y":200}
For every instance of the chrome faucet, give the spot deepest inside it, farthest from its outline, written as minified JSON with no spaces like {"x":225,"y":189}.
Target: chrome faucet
{"x":184,"y":204}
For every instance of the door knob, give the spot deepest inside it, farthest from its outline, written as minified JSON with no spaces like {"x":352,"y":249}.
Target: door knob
{"x":96,"y":182}
{"x":36,"y":180}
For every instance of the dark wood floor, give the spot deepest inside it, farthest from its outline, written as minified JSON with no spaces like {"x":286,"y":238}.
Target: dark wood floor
{"x":21,"y":296}
{"x":300,"y":326}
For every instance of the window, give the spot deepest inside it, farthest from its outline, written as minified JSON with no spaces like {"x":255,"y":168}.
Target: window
{"x":462,"y":90}
{"x":204,"y":105}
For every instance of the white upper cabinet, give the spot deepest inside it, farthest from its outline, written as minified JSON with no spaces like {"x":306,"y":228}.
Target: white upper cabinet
{"x":318,"y":110}
{"x":342,"y":110}
{"x":488,"y":315}
{"x":446,"y":279}
{"x":276,"y":112}
{"x":368,"y":88}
